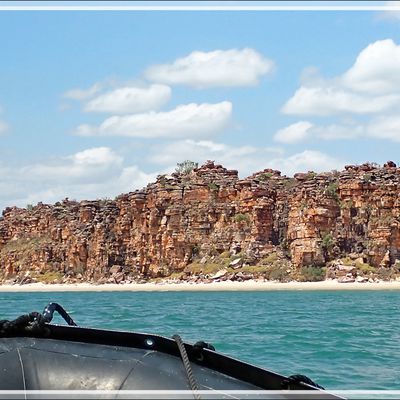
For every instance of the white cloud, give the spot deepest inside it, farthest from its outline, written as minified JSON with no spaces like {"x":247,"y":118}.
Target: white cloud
{"x":323,"y":101}
{"x":83,"y":94}
{"x":293,"y":133}
{"x":304,"y":130}
{"x":376,"y":69}
{"x":339,"y":131}
{"x":307,"y":160}
{"x":371,"y":85}
{"x":130,"y":99}
{"x":191,"y":120}
{"x":91,"y":165}
{"x":198,"y":151}
{"x":387,"y":127}
{"x":246,"y":159}
{"x":215,"y":68}
{"x":89,"y":174}
{"x":95,"y":156}
{"x":101,"y":172}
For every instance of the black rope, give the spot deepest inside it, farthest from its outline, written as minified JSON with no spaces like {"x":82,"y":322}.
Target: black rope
{"x":186,"y":364}
{"x":298,"y":379}
{"x":32,"y":323}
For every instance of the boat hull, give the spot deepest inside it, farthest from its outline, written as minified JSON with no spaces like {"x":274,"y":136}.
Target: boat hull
{"x":71,"y":358}
{"x":47,"y":364}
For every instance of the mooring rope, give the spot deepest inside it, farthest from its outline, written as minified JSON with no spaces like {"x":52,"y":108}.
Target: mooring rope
{"x":186,"y":364}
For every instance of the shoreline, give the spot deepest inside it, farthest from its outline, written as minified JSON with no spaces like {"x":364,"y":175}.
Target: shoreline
{"x":250,"y":285}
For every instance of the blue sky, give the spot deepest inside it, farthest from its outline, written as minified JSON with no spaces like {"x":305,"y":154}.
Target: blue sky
{"x":96,"y":103}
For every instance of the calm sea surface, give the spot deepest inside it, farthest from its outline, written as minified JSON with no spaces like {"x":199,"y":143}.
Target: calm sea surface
{"x":342,"y":340}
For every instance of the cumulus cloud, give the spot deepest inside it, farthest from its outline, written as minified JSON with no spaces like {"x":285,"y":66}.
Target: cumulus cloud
{"x":308,"y":160}
{"x":304,"y":130}
{"x":387,"y":127}
{"x":95,"y":164}
{"x":376,"y":69}
{"x":83,"y":94}
{"x":246,"y":159}
{"x":371,"y":85}
{"x":88,"y":174}
{"x":338,"y":131}
{"x":101,"y":172}
{"x":130,"y":99}
{"x":323,"y":101}
{"x":215,"y":68}
{"x":293,"y":133}
{"x":191,"y":120}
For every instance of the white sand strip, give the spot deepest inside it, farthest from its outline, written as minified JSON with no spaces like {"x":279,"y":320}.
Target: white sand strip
{"x":250,"y":285}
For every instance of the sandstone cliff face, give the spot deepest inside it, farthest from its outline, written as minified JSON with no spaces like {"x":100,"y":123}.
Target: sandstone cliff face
{"x":311,"y":219}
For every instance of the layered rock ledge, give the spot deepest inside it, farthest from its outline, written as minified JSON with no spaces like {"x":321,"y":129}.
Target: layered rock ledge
{"x":210,"y":225}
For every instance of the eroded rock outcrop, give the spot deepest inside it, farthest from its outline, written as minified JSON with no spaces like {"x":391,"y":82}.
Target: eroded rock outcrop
{"x":308,"y":220}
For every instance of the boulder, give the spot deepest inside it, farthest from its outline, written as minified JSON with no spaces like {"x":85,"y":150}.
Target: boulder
{"x":219,"y":274}
{"x":236,"y":263}
{"x":346,"y":279}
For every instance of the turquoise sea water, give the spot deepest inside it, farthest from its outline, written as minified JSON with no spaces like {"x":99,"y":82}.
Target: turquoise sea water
{"x":342,"y":340}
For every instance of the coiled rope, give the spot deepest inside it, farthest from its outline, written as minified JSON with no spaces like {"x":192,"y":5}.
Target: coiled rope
{"x":33,"y":323}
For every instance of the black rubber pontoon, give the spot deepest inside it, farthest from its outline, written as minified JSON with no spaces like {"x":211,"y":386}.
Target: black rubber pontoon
{"x":36,"y":355}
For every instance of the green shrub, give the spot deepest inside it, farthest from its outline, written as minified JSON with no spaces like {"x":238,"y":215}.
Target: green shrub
{"x":270,"y":259}
{"x":278,"y":272}
{"x":327,"y":241}
{"x":289,"y":183}
{"x":311,"y":273}
{"x":227,"y":254}
{"x":242,"y":218}
{"x":311,"y":174}
{"x":196,"y":268}
{"x":365,"y":268}
{"x":331,"y":191}
{"x":367,"y":178}
{"x":213,"y":186}
{"x":186,"y":167}
{"x":50,"y":277}
{"x":265,"y":176}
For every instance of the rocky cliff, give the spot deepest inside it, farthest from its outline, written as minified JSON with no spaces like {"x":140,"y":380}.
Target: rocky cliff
{"x":209,"y":224}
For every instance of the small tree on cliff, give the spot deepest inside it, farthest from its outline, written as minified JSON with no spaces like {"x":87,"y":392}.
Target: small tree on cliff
{"x":186,"y":167}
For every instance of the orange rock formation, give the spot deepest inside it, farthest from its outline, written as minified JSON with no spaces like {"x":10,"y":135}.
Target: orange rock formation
{"x":310,"y":219}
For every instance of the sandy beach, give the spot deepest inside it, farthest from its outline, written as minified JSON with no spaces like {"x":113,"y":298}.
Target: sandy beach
{"x":250,"y":285}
